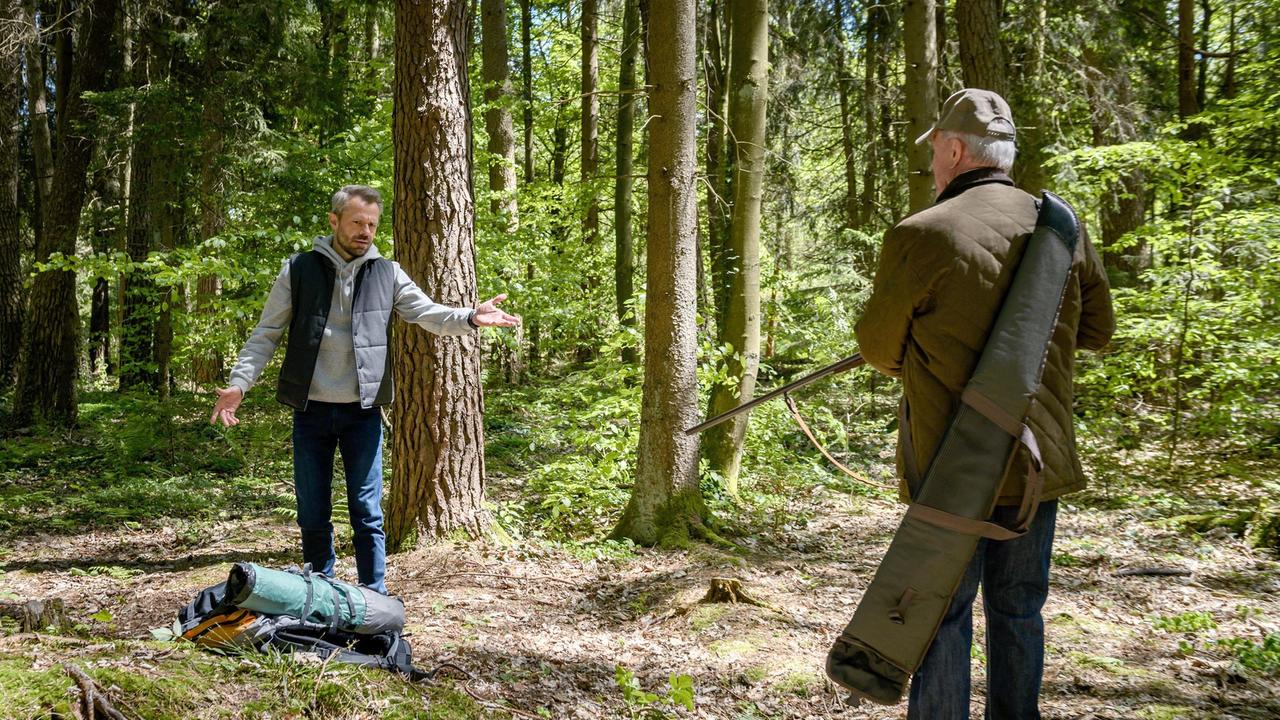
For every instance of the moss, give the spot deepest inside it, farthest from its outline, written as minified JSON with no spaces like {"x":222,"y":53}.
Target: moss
{"x":1166,"y":712}
{"x":733,"y":647}
{"x":187,"y":684}
{"x":705,"y":616}
{"x":799,"y":682}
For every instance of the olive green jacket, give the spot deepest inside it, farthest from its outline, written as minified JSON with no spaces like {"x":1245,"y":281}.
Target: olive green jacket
{"x":943,"y":273}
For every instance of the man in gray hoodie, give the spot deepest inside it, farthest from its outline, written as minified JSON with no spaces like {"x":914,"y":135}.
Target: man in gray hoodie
{"x":336,"y":303}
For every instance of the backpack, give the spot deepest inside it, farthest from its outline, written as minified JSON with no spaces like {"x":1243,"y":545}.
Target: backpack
{"x":217,"y":625}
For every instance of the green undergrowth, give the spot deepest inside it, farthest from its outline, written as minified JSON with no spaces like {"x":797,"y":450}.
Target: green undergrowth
{"x":160,"y":681}
{"x":136,"y":460}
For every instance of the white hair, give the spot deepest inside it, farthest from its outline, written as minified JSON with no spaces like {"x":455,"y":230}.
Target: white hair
{"x":987,"y":151}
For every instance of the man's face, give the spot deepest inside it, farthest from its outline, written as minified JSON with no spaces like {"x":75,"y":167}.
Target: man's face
{"x":353,"y":231}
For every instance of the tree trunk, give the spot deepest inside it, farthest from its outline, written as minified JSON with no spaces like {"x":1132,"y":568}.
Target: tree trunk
{"x":717,"y":187}
{"x":1187,"y":104}
{"x":1026,"y":103}
{"x":11,"y":299}
{"x":590,"y":123}
{"x":1202,"y":64}
{"x":748,"y":98}
{"x":526,"y":75}
{"x":624,"y":252}
{"x":438,"y":441}
{"x":107,"y":226}
{"x":497,"y":117}
{"x":981,"y":51}
{"x":872,"y":61}
{"x":1229,"y":74}
{"x":38,"y":116}
{"x":137,"y":326}
{"x":50,"y":354}
{"x":921,"y":91}
{"x":844,"y":82}
{"x":666,"y":503}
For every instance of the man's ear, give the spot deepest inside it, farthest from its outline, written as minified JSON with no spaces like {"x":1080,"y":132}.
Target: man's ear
{"x":333,"y":222}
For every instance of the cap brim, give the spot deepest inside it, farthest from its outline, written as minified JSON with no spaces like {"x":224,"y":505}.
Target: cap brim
{"x":927,"y":134}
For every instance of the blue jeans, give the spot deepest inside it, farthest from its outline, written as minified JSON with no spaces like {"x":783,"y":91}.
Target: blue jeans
{"x":1015,"y":582}
{"x":357,"y":433}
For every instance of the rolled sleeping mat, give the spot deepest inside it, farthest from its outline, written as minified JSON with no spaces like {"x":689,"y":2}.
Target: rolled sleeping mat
{"x":313,"y":598}
{"x":904,"y":605}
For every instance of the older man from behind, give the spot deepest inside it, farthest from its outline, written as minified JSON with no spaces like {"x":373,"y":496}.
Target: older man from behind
{"x":942,"y":276}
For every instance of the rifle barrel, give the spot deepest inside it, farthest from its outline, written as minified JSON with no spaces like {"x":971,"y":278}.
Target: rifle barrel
{"x":848,"y":363}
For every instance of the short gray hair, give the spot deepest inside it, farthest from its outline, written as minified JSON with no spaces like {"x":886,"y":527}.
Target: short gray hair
{"x":989,"y":151}
{"x":344,"y":195}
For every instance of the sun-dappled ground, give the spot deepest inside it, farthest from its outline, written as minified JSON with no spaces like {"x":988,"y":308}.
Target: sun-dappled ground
{"x":544,"y":631}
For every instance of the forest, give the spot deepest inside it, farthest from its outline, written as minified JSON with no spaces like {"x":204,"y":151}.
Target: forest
{"x":685,"y":203}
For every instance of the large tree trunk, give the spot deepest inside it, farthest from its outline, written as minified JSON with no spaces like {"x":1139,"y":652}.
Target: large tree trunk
{"x":844,"y":82}
{"x":717,"y":185}
{"x":920,"y":42}
{"x":748,"y":98}
{"x":11,"y":299}
{"x":438,"y":475}
{"x":624,"y":252}
{"x":526,"y":77}
{"x":981,"y":52}
{"x":666,"y":502}
{"x":497,"y":117}
{"x":50,"y":353}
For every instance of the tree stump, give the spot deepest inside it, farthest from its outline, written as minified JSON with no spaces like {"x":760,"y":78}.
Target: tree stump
{"x":36,"y":615}
{"x":730,"y":590}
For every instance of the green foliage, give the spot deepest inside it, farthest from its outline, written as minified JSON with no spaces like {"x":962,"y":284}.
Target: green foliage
{"x":137,"y":460}
{"x":1187,"y":622}
{"x":1263,"y":657}
{"x":641,"y":703}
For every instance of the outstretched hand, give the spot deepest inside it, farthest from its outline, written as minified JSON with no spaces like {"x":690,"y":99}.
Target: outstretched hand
{"x":224,"y":410}
{"x":488,"y":314}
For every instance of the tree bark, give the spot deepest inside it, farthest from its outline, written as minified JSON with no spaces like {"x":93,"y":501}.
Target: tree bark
{"x":11,"y":295}
{"x":438,"y":440}
{"x":873,"y":61}
{"x":526,"y":75}
{"x":666,"y":504}
{"x":138,"y":322}
{"x":981,"y":51}
{"x":748,"y":99}
{"x":844,"y":82}
{"x":1026,"y":103}
{"x":38,"y":116}
{"x":920,"y":44}
{"x":590,"y":122}
{"x":1187,"y":104}
{"x":497,"y":116}
{"x":624,"y":251}
{"x":50,"y":356}
{"x":717,"y":186}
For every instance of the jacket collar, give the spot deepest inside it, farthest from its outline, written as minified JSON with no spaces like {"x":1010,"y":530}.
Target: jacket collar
{"x":973,"y":178}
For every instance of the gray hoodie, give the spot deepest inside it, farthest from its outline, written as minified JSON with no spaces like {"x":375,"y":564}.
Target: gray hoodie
{"x":334,"y":379}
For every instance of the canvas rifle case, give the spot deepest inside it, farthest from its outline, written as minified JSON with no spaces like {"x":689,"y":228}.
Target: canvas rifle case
{"x":900,"y":613}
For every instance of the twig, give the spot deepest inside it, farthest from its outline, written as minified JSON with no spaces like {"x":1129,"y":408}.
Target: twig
{"x":93,"y":699}
{"x":446,"y":576}
{"x":1152,"y":571}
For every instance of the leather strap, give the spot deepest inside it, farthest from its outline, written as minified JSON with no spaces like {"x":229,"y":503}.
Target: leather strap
{"x":960,"y":524}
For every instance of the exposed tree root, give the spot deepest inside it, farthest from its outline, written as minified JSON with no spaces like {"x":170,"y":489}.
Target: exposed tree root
{"x":94,"y":704}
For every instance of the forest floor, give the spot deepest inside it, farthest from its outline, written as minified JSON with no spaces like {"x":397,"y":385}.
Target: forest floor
{"x":546,"y":630}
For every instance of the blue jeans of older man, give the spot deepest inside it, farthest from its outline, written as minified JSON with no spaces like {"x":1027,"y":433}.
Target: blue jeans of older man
{"x":1014,"y":575}
{"x":356,"y":433}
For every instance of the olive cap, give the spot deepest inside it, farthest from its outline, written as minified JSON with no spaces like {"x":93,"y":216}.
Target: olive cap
{"x":976,"y":112}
